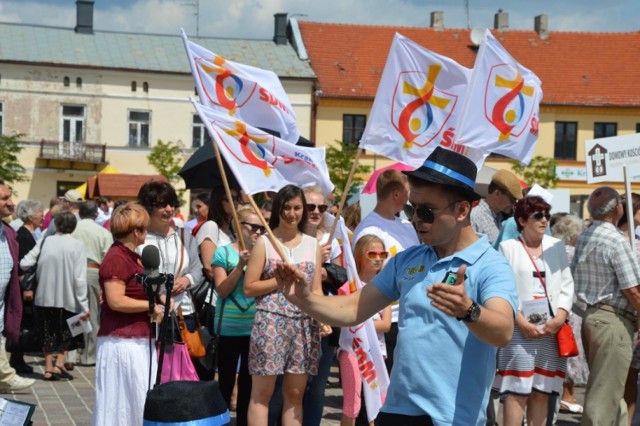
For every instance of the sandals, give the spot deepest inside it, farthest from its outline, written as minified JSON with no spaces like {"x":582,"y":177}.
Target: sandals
{"x":53,"y":376}
{"x":63,"y":374}
{"x":572,"y":408}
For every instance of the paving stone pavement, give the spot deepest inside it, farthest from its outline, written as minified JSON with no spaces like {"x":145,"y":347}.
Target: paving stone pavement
{"x":71,"y":402}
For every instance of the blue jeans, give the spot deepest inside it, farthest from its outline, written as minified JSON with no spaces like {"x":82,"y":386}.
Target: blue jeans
{"x":313,"y":404}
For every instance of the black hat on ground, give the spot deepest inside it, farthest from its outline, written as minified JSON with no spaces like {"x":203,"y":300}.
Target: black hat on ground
{"x":446,"y":167}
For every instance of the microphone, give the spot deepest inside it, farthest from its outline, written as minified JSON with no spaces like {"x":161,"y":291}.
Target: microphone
{"x":151,"y":261}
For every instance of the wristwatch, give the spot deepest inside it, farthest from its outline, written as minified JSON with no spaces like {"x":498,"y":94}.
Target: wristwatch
{"x":472,"y":314}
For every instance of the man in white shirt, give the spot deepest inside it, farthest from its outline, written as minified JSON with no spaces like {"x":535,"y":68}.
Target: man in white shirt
{"x":392,"y":193}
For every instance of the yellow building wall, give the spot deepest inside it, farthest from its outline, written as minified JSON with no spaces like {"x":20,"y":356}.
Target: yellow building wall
{"x":32,"y":99}
{"x":329,"y":129}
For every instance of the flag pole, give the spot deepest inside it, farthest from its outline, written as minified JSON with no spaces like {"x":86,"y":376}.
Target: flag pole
{"x":272,"y":238}
{"x":343,"y":199}
{"x":227,"y":190}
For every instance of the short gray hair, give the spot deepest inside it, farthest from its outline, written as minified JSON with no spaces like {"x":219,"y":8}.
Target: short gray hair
{"x":567,"y":228}
{"x":28,"y":208}
{"x":607,"y":201}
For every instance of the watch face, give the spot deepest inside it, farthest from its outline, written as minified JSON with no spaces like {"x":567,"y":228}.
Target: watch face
{"x":474,"y":313}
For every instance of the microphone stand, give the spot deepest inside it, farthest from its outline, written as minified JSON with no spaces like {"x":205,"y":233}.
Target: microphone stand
{"x":168,"y":285}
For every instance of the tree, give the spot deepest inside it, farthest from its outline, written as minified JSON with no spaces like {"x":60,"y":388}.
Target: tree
{"x":541,"y":170}
{"x":339,"y":161}
{"x":166,"y":158}
{"x":10,"y":168}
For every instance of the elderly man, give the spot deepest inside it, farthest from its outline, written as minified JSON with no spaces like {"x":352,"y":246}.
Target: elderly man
{"x":10,"y":295}
{"x":97,"y":241}
{"x":606,"y":275}
{"x":447,"y":333}
{"x":487,"y":216}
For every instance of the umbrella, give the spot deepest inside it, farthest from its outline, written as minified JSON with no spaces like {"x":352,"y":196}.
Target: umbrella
{"x":370,"y":186}
{"x":201,"y":170}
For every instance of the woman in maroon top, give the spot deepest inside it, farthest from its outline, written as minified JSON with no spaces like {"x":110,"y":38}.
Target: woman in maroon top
{"x":126,"y":358}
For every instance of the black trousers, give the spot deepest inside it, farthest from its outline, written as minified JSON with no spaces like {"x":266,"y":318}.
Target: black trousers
{"x":230,"y":350}
{"x":390,"y":419}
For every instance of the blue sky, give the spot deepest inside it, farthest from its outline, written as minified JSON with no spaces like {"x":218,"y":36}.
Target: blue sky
{"x":254,"y":18}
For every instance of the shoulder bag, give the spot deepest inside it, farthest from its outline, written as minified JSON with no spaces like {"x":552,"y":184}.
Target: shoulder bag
{"x":567,"y":345}
{"x":30,"y":281}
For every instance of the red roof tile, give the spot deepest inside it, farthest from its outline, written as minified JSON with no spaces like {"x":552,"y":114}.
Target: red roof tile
{"x":121,"y":185}
{"x":575,"y":68}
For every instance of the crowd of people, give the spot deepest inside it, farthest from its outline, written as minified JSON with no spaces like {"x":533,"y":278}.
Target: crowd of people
{"x":466,"y":294}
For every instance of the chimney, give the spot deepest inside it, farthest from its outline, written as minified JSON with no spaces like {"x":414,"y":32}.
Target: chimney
{"x":437,"y":20}
{"x":541,"y":26}
{"x":280,"y":35}
{"x":501,"y":21}
{"x":84,"y":16}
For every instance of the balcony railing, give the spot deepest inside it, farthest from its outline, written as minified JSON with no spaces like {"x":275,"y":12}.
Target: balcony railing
{"x":73,"y":151}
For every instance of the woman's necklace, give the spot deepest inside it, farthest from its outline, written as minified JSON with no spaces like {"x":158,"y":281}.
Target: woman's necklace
{"x":536,"y":251}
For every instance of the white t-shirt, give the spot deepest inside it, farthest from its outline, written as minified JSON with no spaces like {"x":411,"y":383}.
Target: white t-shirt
{"x":211,"y":231}
{"x":397,"y":234}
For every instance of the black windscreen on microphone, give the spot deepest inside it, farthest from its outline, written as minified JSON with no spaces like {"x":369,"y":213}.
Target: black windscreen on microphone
{"x":151,"y":261}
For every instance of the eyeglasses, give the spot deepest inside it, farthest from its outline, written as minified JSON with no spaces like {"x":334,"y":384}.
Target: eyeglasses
{"x":373,"y":255}
{"x":255,"y":228}
{"x":426,"y":214}
{"x":312,"y":207}
{"x":540,"y":215}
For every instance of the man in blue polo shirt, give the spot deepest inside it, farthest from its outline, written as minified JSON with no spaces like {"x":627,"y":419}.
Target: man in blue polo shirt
{"x":457,"y":302}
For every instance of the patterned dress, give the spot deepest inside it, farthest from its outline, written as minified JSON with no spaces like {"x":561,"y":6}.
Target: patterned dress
{"x":283,"y":338}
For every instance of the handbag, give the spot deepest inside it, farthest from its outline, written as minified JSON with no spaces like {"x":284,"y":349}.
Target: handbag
{"x":567,"y":345}
{"x":336,"y":276}
{"x":177,"y":365}
{"x":30,"y":280}
{"x":193,"y":339}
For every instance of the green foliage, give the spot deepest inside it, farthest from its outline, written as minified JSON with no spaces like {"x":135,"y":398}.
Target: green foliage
{"x":339,"y":161}
{"x":166,"y":158}
{"x":10,"y":168}
{"x":541,"y":170}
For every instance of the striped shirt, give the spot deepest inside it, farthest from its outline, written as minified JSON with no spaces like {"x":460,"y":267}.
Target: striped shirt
{"x":486,"y":221}
{"x":603,"y":265}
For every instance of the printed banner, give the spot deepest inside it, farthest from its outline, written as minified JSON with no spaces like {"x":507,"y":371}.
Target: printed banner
{"x":502,"y":106}
{"x":260,"y":161}
{"x":361,"y":340}
{"x":417,"y":105}
{"x":243,"y":92}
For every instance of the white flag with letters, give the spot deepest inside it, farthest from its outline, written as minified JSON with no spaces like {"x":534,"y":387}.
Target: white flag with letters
{"x":502,"y":106}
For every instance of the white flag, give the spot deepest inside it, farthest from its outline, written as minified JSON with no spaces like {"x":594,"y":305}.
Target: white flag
{"x":260,"y":161}
{"x":361,"y":340}
{"x":502,"y":106}
{"x":417,"y":105}
{"x":245,"y":93}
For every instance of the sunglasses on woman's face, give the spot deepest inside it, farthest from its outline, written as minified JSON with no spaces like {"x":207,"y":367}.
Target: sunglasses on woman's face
{"x":321,"y":207}
{"x":540,"y":215}
{"x":255,"y":228}
{"x":373,"y":254}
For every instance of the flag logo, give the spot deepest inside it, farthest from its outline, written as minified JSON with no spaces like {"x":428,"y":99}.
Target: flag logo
{"x":509,"y":101}
{"x":228,"y":91}
{"x":419,"y":110}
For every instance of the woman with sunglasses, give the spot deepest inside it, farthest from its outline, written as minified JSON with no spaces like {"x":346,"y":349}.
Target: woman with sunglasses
{"x":529,"y":367}
{"x":369,"y":254}
{"x":315,"y":394}
{"x":235,"y":313}
{"x":284,"y":340}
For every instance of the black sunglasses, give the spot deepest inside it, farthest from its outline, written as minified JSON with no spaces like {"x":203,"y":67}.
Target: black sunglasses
{"x":540,"y":215}
{"x":425,"y":214}
{"x":312,"y":207}
{"x":255,"y":228}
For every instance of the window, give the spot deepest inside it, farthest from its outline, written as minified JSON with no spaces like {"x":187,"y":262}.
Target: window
{"x":352,"y":128}
{"x":73,"y":123}
{"x":1,"y":118}
{"x":637,"y":127}
{"x":65,"y":81}
{"x":79,"y":83}
{"x":134,"y":86}
{"x":199,"y":133}
{"x":139,"y":128}
{"x":145,"y":87}
{"x":566,"y":140}
{"x":604,"y":130}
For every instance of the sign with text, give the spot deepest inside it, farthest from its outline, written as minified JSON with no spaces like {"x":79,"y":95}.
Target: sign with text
{"x":606,"y":157}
